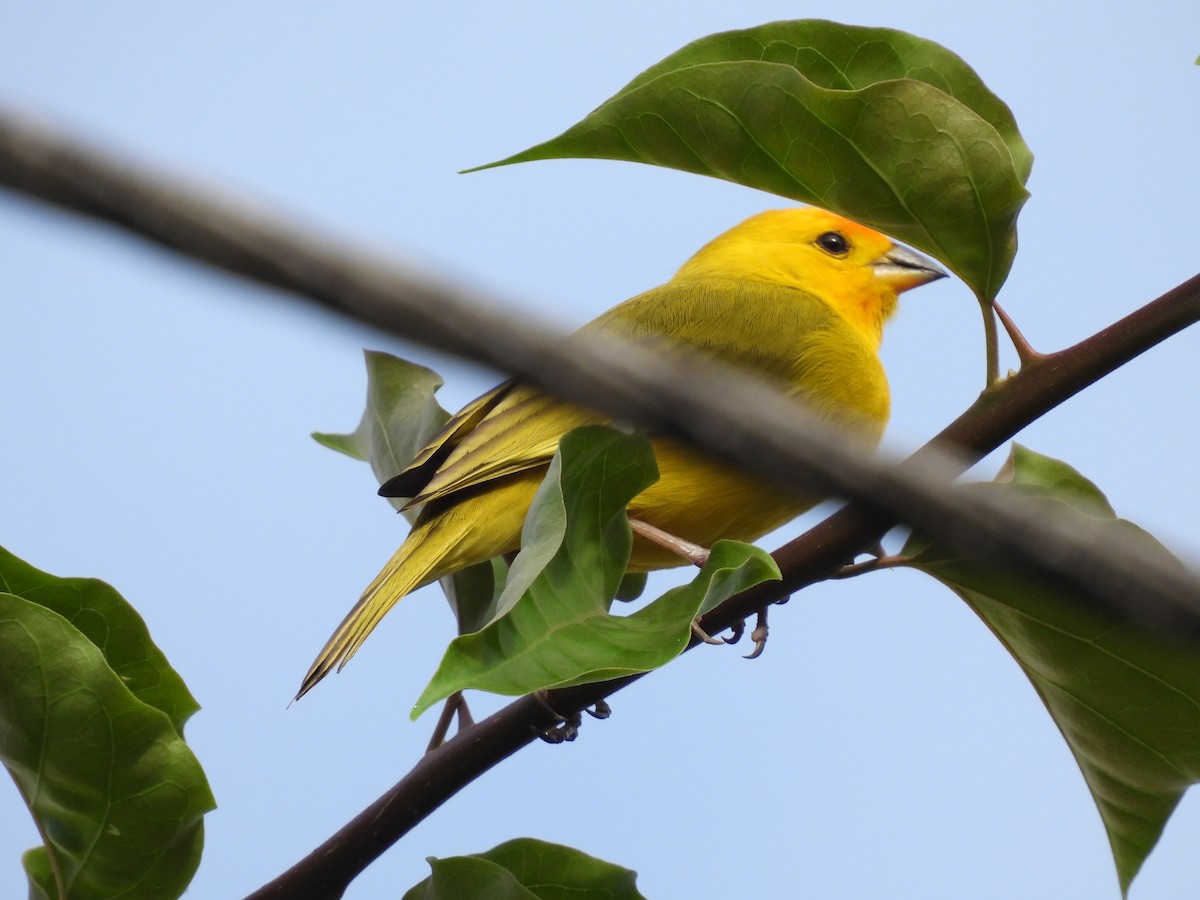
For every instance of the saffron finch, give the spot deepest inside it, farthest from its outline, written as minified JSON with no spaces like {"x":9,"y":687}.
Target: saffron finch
{"x":797,"y":296}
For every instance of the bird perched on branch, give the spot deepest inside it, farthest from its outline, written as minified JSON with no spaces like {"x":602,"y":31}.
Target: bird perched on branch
{"x":796,"y":296}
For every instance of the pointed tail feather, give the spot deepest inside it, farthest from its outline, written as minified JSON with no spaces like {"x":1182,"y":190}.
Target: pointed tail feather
{"x":409,"y":568}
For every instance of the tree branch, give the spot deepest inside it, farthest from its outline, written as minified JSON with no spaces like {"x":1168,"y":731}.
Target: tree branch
{"x":993,"y":419}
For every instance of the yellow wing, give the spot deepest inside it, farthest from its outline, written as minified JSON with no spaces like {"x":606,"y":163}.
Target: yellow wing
{"x":413,"y":478}
{"x":521,"y":432}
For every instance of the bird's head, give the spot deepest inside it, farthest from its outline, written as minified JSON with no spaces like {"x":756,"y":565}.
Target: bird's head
{"x":856,"y":270}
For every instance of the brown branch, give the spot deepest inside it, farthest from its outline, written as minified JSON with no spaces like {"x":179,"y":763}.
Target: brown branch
{"x":721,"y":411}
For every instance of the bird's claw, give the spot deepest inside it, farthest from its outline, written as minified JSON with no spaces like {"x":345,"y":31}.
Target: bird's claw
{"x":738,"y":628}
{"x":566,"y":728}
{"x":600,"y":710}
{"x":704,"y":635}
{"x":759,"y":635}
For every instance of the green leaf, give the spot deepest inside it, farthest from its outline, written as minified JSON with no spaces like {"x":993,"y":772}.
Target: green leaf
{"x":105,"y":618}
{"x":1031,"y":472}
{"x":90,"y":730}
{"x":474,"y":592}
{"x":851,"y":57}
{"x":1127,"y":701}
{"x":555,"y":628}
{"x":400,"y":417}
{"x":527,"y":869}
{"x":468,"y":876}
{"x":881,"y":126}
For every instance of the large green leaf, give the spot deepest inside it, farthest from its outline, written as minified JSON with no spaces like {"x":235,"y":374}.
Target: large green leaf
{"x":400,"y":417}
{"x":105,"y":618}
{"x":526,"y":869}
{"x":91,"y":719}
{"x":878,"y":125}
{"x":554,"y":627}
{"x":1127,"y":701}
{"x":852,"y":57}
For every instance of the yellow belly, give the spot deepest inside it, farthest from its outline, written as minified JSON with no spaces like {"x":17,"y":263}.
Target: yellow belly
{"x":704,"y":501}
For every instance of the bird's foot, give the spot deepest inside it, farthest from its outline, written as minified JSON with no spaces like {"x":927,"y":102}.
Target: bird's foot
{"x":693,"y":553}
{"x":758,"y":635}
{"x":566,"y":728}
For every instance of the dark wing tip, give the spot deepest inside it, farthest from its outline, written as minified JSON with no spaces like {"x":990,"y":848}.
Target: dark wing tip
{"x":407,"y":484}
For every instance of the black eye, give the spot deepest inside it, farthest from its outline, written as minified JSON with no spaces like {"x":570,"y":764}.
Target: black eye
{"x":833,"y":242}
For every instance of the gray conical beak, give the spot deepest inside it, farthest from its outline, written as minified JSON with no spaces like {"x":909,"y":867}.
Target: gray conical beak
{"x":903,"y":269}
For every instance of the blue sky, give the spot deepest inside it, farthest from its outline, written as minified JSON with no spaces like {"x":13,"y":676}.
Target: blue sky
{"x":157,"y":414}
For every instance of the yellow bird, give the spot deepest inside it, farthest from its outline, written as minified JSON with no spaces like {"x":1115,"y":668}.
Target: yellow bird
{"x":797,"y":296}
